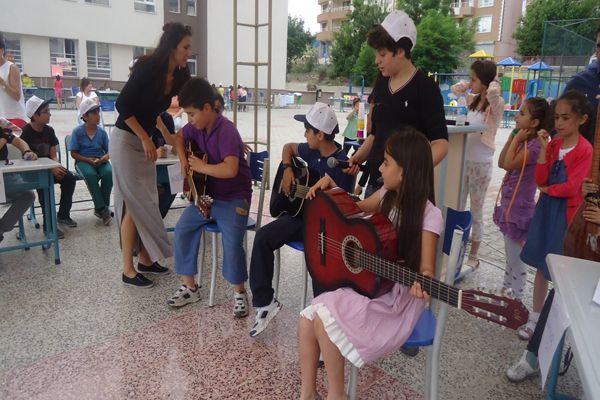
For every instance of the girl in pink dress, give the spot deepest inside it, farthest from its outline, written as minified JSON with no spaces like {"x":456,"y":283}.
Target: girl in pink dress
{"x":344,"y":324}
{"x":58,"y":88}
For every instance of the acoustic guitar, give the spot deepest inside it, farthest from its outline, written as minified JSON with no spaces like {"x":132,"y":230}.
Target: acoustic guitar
{"x":583,"y":238}
{"x":304,"y":178}
{"x":345,"y":247}
{"x":194,"y":186}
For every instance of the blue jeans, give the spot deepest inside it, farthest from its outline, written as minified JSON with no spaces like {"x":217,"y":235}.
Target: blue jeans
{"x":231,"y":216}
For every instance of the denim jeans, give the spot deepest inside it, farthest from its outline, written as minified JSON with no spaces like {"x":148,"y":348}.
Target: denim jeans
{"x":231,"y":216}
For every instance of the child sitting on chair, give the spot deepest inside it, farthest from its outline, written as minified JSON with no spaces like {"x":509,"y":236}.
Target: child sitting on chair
{"x":344,"y":324}
{"x":89,"y":148}
{"x":229,"y":185}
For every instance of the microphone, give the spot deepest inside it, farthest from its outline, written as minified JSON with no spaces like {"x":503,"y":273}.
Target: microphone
{"x":333,"y":162}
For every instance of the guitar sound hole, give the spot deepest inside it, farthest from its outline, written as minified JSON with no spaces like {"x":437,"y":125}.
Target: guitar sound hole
{"x":351,"y":254}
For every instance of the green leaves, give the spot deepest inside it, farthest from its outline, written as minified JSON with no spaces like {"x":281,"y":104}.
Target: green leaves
{"x":297,"y":41}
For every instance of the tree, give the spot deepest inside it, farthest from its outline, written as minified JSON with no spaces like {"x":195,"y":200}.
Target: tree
{"x":416,"y":9}
{"x":365,"y":64}
{"x":530,"y":32}
{"x":442,"y":42}
{"x":348,"y":41}
{"x":298,"y":40}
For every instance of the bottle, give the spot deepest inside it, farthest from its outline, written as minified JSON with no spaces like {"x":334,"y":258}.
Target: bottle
{"x":360,"y":130}
{"x":461,"y":111}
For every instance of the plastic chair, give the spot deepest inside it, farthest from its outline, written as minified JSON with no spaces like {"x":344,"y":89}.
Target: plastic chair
{"x":299,"y":245}
{"x":259,"y":167}
{"x":77,"y":172}
{"x":15,"y":154}
{"x":428,"y":330}
{"x":31,"y":217}
{"x":461,"y":220}
{"x":107,"y":106}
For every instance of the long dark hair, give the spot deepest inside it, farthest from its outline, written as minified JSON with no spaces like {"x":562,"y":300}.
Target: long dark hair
{"x":580,"y":106}
{"x":539,"y":109}
{"x":157,"y":63}
{"x":412,"y":151}
{"x":486,"y":72}
{"x":83,"y":84}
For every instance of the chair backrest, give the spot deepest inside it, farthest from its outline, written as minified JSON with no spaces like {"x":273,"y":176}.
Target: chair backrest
{"x":75,"y":90}
{"x":259,"y":171}
{"x":461,"y":220}
{"x":107,"y":105}
{"x":67,"y":149}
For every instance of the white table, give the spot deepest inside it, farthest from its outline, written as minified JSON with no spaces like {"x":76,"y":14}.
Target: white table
{"x":27,"y":175}
{"x":448,"y":187}
{"x":575,"y":280}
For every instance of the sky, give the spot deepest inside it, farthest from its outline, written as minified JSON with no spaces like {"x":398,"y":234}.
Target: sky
{"x":308,"y":11}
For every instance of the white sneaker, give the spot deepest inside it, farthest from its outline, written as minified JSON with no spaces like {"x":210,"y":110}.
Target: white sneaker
{"x":240,"y":304}
{"x":526,"y":331}
{"x":184,"y":295}
{"x":263,"y":316}
{"x":521,"y":370}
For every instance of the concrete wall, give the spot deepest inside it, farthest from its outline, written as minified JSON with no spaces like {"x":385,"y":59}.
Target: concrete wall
{"x":220,"y":42}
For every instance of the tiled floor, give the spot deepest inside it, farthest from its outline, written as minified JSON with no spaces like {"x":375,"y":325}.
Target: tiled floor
{"x":73,"y":331}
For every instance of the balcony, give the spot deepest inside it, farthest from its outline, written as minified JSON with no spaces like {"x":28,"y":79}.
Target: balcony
{"x":462,"y":9}
{"x":325,"y":36}
{"x":335,"y":14}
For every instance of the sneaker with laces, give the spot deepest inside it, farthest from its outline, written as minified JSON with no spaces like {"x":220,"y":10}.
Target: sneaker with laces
{"x":67,"y":222}
{"x":522,"y":370}
{"x":139,"y":281}
{"x":106,"y":216}
{"x":240,"y":304}
{"x":155,"y":269}
{"x":264,"y":315}
{"x":184,"y":295}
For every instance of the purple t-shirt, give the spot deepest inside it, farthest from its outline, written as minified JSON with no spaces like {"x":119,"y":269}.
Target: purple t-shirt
{"x":223,"y":141}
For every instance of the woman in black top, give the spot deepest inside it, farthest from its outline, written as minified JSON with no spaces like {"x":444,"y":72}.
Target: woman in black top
{"x":154,"y":79}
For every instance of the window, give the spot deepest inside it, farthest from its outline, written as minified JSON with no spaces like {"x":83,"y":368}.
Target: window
{"x":63,"y":52}
{"x":486,"y":3}
{"x":97,"y":2}
{"x":13,"y":49}
{"x":174,"y":6}
{"x":144,"y":6}
{"x":141,"y":51}
{"x":191,"y":7}
{"x":324,"y":27}
{"x":191,"y":63}
{"x":485,"y":24}
{"x":98,"y":60}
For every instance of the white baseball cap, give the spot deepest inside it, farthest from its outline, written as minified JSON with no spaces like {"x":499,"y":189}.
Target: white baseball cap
{"x":86,"y":106}
{"x":399,"y":25}
{"x":33,"y":104}
{"x":322,"y":117}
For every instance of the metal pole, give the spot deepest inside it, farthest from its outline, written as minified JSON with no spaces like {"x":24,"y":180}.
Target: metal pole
{"x":256,"y":8}
{"x":235,"y":61}
{"x":270,"y":40}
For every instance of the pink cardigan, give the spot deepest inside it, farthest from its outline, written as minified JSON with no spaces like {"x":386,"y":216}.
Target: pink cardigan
{"x":493,"y":114}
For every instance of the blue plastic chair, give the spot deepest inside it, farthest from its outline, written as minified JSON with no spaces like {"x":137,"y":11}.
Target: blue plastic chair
{"x":297,"y":245}
{"x":107,"y":106}
{"x":259,"y":167}
{"x":461,"y":220}
{"x":429,"y":329}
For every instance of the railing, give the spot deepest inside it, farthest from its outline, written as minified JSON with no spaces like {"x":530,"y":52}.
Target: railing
{"x":15,"y":56}
{"x":462,"y":3}
{"x":98,"y":67}
{"x":68,"y":70}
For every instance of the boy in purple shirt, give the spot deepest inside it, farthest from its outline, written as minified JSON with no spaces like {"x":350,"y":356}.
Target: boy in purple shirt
{"x":228,"y":183}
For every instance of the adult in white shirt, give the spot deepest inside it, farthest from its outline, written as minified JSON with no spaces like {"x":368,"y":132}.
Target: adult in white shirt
{"x":12,"y":104}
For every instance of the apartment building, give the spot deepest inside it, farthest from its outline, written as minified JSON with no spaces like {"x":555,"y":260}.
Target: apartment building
{"x":497,"y":20}
{"x":333,"y":13}
{"x":99,"y":38}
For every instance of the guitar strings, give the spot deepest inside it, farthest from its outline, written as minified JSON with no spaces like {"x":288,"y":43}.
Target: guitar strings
{"x":399,"y":273}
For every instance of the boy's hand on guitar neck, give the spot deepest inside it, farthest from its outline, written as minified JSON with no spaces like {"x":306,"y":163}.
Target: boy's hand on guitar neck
{"x":588,"y":187}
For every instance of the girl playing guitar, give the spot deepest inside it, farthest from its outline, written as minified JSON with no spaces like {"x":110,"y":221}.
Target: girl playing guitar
{"x":344,"y":324}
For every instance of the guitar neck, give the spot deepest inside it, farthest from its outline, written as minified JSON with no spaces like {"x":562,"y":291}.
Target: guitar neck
{"x":397,"y":273}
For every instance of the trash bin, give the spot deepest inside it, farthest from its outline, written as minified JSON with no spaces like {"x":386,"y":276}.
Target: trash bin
{"x":317,"y":94}
{"x":298,"y":99}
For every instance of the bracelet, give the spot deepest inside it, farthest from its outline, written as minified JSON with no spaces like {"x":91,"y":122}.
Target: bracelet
{"x":286,"y":166}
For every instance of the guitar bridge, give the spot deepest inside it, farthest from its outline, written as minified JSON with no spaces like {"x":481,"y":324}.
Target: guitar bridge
{"x":322,"y":234}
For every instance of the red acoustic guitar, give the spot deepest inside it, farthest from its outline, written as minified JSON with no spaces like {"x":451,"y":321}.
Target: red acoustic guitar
{"x":583,"y":238}
{"x":194,"y":186}
{"x":345,"y":247}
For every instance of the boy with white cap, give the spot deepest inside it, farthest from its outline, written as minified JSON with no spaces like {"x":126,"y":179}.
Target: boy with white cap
{"x":43,"y":141}
{"x":320,"y":125}
{"x":402,"y":94}
{"x":89,"y":148}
